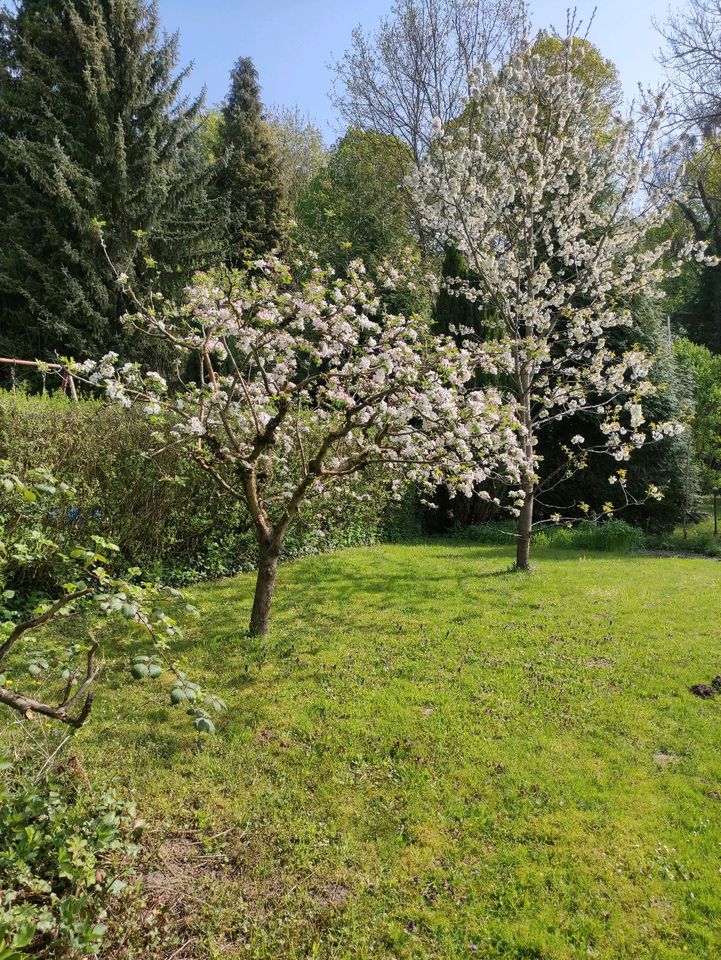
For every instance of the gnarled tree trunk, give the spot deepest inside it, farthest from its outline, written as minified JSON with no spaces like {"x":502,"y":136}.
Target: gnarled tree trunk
{"x":268,"y":553}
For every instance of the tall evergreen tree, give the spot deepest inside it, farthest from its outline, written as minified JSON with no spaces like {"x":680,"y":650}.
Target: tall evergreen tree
{"x":249,"y":173}
{"x":94,"y":130}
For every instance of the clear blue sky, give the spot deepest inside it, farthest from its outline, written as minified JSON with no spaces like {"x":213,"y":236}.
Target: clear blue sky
{"x":292,"y":41}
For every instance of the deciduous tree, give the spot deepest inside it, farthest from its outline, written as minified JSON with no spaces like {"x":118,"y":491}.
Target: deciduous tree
{"x":305,"y":382}
{"x":551,"y":220}
{"x":416,"y":64}
{"x":299,"y":147}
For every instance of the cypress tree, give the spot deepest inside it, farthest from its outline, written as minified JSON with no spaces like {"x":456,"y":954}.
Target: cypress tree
{"x":249,"y":173}
{"x":94,"y":131}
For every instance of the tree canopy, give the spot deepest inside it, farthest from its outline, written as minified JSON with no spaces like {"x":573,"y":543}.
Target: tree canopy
{"x":95,"y":129}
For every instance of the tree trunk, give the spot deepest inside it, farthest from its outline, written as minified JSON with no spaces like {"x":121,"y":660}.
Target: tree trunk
{"x":268,"y":554}
{"x":525,"y":520}
{"x":525,"y":525}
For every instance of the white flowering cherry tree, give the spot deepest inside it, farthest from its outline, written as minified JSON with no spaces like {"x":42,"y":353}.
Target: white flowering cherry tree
{"x":551,"y":214}
{"x":302,"y":383}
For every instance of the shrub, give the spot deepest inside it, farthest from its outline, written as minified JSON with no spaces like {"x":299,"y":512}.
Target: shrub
{"x":613,"y":536}
{"x":164,"y":513}
{"x":64,"y":853}
{"x":61,"y":602}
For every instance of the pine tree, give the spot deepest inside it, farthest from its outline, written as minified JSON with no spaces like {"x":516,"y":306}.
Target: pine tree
{"x":94,"y":130}
{"x":249,"y":174}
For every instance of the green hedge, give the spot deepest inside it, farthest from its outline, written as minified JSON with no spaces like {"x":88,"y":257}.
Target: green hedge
{"x":166,"y":514}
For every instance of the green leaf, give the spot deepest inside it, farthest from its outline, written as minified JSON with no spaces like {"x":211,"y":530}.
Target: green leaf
{"x":139,"y":671}
{"x":24,"y":934}
{"x":46,"y":488}
{"x":204,"y":725}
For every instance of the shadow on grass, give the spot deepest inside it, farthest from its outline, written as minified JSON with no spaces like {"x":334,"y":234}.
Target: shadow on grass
{"x":318,"y":594}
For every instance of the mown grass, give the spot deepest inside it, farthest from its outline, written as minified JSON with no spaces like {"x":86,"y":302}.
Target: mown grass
{"x":434,"y":757}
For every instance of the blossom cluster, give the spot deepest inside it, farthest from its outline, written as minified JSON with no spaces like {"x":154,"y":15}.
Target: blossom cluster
{"x":301,"y":383}
{"x":551,"y":209}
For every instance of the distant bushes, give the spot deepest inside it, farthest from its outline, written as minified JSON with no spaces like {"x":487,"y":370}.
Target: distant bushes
{"x":700,"y":537}
{"x":166,"y":516}
{"x":613,"y":536}
{"x":165,"y":513}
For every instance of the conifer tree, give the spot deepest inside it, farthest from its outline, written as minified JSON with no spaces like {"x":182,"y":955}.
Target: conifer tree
{"x":249,"y":174}
{"x":94,"y":129}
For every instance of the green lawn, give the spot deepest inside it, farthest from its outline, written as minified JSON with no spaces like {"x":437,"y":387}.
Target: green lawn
{"x":434,"y":757}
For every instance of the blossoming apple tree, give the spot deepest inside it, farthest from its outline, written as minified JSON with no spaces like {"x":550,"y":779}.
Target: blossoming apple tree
{"x":302,"y":382}
{"x":551,"y":212}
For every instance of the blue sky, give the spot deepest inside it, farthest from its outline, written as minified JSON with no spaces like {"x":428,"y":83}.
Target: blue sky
{"x":292,"y":41}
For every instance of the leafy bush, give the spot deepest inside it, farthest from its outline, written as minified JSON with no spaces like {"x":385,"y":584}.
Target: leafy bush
{"x":164,"y":513}
{"x":404,"y":519}
{"x":64,"y":853}
{"x":54,"y":573}
{"x":699,"y":537}
{"x":613,"y":536}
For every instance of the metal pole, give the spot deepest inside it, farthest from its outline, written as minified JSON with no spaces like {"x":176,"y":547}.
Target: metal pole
{"x":68,"y":382}
{"x":30,"y":363}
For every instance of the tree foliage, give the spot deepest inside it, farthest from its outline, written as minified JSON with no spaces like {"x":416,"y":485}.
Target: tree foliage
{"x":305,"y":382}
{"x":94,"y":128}
{"x":299,"y":147}
{"x":248,"y":174}
{"x":704,"y":368}
{"x":355,"y":207}
{"x":546,"y":214}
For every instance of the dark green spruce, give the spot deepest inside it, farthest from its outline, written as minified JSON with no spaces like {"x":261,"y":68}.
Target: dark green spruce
{"x":248,"y":169}
{"x":94,"y":129}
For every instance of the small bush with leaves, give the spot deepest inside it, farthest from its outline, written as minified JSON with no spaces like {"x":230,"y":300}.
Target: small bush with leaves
{"x":64,"y":855}
{"x":61,"y":600}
